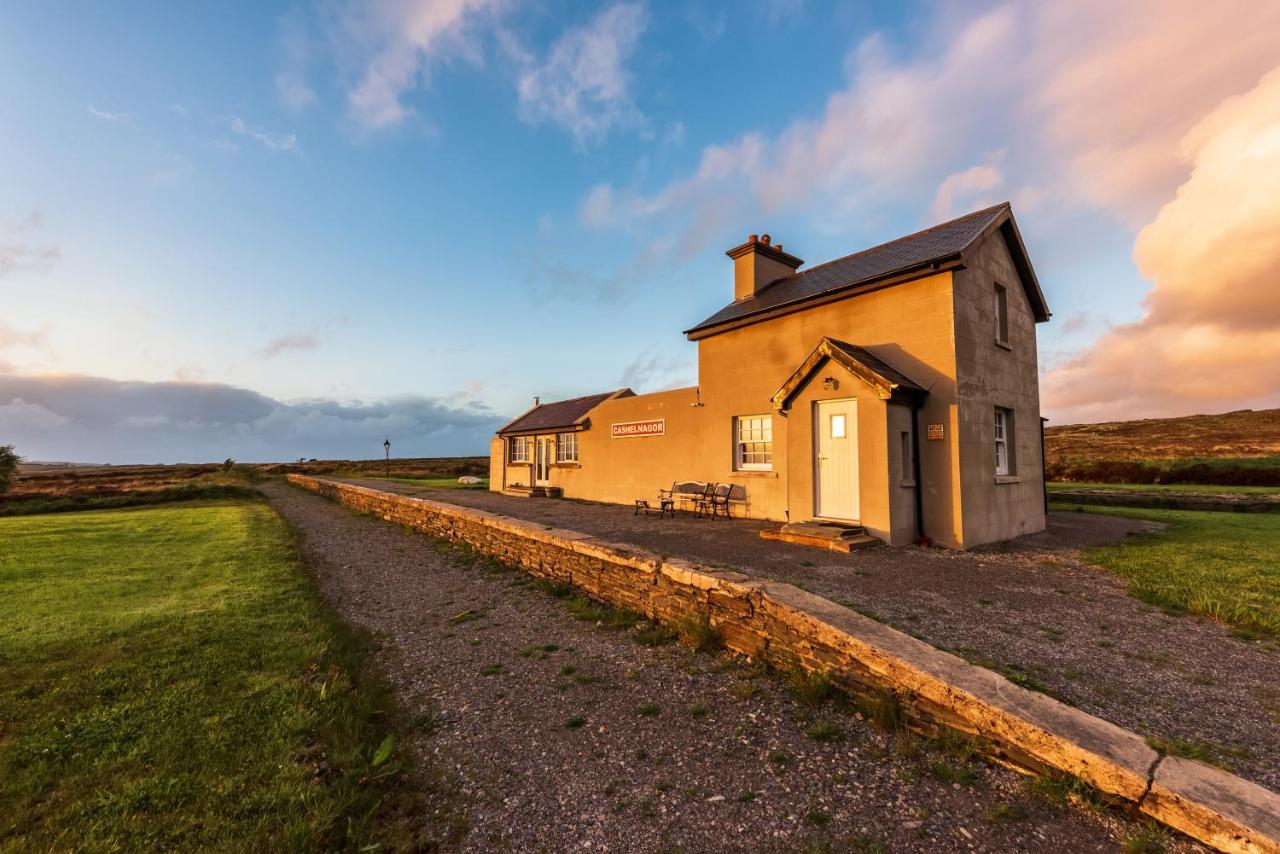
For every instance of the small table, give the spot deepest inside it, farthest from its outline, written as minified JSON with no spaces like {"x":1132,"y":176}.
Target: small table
{"x":665,"y":506}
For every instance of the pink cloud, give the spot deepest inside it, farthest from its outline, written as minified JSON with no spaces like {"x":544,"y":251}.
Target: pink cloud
{"x":1210,"y":338}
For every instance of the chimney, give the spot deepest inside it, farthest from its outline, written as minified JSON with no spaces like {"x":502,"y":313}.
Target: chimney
{"x":757,"y":263}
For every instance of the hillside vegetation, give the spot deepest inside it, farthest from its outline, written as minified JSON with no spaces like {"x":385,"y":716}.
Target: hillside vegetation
{"x":1231,"y":448}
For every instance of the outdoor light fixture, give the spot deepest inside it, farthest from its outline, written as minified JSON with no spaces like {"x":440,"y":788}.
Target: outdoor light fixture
{"x":830,"y":383}
{"x":386,"y":446}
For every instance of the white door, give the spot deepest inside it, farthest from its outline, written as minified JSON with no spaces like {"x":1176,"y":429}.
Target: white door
{"x":542,"y":462}
{"x":836,"y":460}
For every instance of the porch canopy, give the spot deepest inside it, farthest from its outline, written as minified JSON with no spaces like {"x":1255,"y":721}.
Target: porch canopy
{"x":888,"y":381}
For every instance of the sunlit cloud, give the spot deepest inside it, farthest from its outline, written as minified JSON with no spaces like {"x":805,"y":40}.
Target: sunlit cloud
{"x":583,"y":84}
{"x":1210,"y":337}
{"x":25,"y":246}
{"x":280,"y":142}
{"x":116,"y":118}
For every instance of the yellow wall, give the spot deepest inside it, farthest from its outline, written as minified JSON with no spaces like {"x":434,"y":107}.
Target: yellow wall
{"x":914,"y":327}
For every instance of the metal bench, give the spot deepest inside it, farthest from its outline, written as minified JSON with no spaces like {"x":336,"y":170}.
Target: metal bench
{"x":686,"y":492}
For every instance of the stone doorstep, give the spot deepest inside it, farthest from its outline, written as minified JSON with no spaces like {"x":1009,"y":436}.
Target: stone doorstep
{"x":1207,"y":803}
{"x":862,"y":541}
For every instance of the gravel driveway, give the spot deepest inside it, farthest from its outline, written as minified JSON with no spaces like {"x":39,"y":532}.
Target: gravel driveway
{"x":1033,"y":609}
{"x":566,"y":735}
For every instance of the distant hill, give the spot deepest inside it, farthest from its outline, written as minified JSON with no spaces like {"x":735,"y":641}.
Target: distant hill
{"x":1244,"y":433}
{"x":1241,"y":447}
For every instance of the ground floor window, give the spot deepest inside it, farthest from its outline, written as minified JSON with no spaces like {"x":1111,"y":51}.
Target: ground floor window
{"x":753,"y":443}
{"x":519,"y":449}
{"x":567,"y":448}
{"x":1004,"y":432}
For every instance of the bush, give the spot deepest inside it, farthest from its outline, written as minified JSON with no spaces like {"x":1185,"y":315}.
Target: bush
{"x":8,"y":465}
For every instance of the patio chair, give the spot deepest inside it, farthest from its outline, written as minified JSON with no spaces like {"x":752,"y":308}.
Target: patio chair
{"x":723,"y":501}
{"x":709,"y":503}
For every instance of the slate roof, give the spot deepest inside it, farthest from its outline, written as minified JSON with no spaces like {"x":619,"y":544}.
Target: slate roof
{"x":560,"y":414}
{"x":879,"y":366}
{"x":939,"y":243}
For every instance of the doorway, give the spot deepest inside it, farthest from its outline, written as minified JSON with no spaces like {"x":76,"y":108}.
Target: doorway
{"x":835,"y":460}
{"x":542,"y":462}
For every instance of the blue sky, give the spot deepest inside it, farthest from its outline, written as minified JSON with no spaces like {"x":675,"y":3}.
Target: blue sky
{"x":411,"y":217}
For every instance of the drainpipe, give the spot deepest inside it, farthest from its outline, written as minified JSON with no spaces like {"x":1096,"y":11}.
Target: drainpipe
{"x":915,"y":462}
{"x":1044,"y":479}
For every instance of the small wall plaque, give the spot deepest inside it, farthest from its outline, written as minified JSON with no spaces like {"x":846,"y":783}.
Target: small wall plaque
{"x":633,"y":429}
{"x":935,"y":433}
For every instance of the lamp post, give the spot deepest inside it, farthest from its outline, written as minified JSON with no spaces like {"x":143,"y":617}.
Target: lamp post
{"x":386,"y":446}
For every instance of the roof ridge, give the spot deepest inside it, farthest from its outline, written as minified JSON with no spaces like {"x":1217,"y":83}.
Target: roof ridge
{"x":912,"y":236}
{"x":579,"y":397}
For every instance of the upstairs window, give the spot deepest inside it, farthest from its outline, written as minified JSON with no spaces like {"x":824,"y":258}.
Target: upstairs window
{"x":753,"y":443}
{"x":1002,"y":315}
{"x":1004,"y":442}
{"x":519,"y":449}
{"x":567,"y":448}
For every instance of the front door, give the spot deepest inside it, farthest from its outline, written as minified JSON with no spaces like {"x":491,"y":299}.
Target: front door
{"x":542,"y":462}
{"x":836,"y":460}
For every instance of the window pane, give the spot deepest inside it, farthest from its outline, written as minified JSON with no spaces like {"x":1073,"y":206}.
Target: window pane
{"x":837,"y":426}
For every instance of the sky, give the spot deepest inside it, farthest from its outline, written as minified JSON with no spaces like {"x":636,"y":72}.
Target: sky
{"x":275,"y":230}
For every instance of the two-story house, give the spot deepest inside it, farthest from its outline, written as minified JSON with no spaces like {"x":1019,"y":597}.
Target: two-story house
{"x":895,"y":388}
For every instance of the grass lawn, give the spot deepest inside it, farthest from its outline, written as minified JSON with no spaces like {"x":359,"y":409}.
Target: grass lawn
{"x":439,"y":482}
{"x":1222,"y":565}
{"x":172,"y":681}
{"x":1058,"y":486}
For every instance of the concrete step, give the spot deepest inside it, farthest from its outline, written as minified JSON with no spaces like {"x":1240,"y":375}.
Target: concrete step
{"x":823,"y":535}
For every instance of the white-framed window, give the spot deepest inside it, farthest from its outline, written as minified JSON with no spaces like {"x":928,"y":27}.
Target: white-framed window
{"x":567,"y":448}
{"x":1003,"y":437}
{"x":753,"y":443}
{"x":1002,"y":314}
{"x":518,"y":449}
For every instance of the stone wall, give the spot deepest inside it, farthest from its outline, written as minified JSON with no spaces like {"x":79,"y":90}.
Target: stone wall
{"x":792,"y":629}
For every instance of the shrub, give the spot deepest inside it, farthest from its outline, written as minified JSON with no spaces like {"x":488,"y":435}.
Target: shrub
{"x":8,"y":465}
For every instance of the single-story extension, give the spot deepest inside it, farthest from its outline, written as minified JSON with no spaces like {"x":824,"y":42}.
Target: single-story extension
{"x":895,"y":389}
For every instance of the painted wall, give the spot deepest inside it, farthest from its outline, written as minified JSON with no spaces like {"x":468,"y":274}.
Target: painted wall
{"x":990,"y":375}
{"x":938,"y":330}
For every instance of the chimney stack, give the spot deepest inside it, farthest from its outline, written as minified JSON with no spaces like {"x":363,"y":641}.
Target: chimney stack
{"x":758,"y":263}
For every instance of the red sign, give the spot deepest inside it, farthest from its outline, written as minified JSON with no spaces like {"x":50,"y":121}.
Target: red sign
{"x":631,"y":429}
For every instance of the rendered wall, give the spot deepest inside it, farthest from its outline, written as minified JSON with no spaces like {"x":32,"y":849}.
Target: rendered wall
{"x":989,"y":376}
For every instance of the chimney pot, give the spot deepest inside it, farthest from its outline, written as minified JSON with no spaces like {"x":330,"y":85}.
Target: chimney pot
{"x":537,"y":401}
{"x":764,"y":238}
{"x":778,"y":246}
{"x":751,"y":238}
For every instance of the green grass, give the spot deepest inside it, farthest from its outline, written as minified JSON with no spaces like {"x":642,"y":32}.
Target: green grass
{"x":432,"y":482}
{"x":1060,"y":486}
{"x":171,"y":681}
{"x":169,"y":495}
{"x":1219,"y":565}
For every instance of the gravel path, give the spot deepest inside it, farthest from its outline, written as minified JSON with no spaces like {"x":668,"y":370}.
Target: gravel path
{"x":564,"y":735}
{"x":1033,"y":609}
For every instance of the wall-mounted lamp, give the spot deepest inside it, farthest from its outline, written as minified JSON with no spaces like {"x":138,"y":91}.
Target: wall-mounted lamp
{"x":697,"y":391}
{"x":830,"y":383}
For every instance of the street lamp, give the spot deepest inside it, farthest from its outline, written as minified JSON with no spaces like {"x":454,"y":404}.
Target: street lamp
{"x":386,"y":446}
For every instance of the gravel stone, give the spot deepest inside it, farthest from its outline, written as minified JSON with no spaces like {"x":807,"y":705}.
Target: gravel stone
{"x":551,"y":752}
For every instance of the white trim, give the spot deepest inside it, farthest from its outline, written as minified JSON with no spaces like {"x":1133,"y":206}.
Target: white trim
{"x":761,"y":435}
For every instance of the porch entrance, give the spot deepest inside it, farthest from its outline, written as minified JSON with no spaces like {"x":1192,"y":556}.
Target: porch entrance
{"x":542,"y":462}
{"x":835,"y":460}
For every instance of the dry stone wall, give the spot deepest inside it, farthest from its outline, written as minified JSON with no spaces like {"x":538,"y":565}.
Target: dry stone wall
{"x":793,"y":629}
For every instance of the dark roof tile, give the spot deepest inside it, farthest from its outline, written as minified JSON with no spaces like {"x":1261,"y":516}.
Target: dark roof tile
{"x":561,"y":413}
{"x":897,"y":256}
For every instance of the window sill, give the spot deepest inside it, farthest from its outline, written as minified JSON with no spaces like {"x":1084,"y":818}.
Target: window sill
{"x":568,"y":465}
{"x":909,"y":484}
{"x":1005,"y":344}
{"x":752,"y":473}
{"x":1008,"y":478}
{"x":519,"y":464}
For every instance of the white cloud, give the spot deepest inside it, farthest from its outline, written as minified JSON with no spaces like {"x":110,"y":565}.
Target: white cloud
{"x":281,"y":142}
{"x":296,"y":49}
{"x":652,"y":370}
{"x":387,"y":48}
{"x":116,"y":118}
{"x":24,"y":246}
{"x":287,"y":344}
{"x":969,"y":189}
{"x":583,"y":84}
